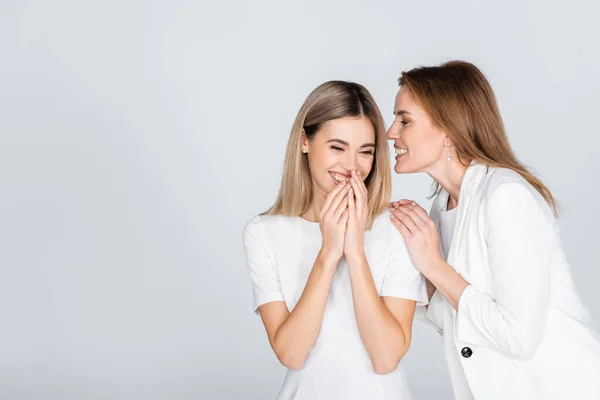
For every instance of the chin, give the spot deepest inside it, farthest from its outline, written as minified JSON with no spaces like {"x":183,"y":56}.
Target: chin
{"x":401,"y":169}
{"x":324,"y":188}
{"x":405,"y":169}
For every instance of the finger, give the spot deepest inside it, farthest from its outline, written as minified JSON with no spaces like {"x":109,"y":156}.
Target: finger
{"x":361,"y":184}
{"x":410,"y":211}
{"x":404,"y":232}
{"x":351,"y":203}
{"x":331,"y":196}
{"x":343,"y":206}
{"x":358,"y":193}
{"x":338,"y":199}
{"x":420,"y":211}
{"x":402,"y":202}
{"x":344,"y":217}
{"x":405,"y":219}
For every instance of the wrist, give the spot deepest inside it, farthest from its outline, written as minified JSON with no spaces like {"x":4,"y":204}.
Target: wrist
{"x":356,"y":256}
{"x":328,"y":258}
{"x":433,"y":266}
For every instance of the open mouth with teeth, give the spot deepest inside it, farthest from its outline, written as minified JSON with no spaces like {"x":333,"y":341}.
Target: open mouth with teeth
{"x":400,"y":152}
{"x":337,"y":177}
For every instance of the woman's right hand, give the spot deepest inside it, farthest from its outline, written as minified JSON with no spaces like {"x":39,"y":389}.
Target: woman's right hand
{"x":334,"y":217}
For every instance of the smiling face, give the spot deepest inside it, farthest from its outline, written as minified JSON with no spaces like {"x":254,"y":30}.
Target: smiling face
{"x":419,"y":144}
{"x":342,"y":145}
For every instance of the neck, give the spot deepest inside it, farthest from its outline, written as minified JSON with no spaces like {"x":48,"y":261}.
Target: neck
{"x":449,"y":174}
{"x":312,"y":214}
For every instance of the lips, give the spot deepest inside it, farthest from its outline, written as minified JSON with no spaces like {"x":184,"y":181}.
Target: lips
{"x":337,"y":177}
{"x":400,"y":152}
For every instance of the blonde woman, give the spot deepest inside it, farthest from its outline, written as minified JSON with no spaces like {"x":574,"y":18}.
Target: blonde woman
{"x":499,"y":284}
{"x":332,"y":280}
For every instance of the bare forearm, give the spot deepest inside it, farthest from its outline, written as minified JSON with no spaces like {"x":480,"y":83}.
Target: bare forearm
{"x":298,"y":333}
{"x":382,"y":335}
{"x":447,"y":281}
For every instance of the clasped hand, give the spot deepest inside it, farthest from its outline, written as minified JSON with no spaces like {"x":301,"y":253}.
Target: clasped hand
{"x":343,"y":219}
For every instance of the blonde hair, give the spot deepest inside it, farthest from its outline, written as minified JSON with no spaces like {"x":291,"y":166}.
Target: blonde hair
{"x":329,"y":101}
{"x":461,"y":101}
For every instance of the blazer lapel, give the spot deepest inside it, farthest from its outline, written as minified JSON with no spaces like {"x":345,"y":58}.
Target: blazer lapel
{"x":472,"y":176}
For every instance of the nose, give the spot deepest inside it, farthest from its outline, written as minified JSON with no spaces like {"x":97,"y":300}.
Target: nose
{"x":350,"y":161}
{"x":393,"y":133}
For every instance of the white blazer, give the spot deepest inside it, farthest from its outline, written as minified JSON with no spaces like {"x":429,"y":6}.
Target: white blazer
{"x":520,"y":331}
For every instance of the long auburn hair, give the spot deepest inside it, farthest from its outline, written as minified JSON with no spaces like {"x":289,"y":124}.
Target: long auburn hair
{"x":460,"y":100}
{"x":329,"y":101}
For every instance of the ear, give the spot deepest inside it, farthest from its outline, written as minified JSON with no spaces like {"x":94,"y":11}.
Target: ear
{"x":447,"y":142}
{"x":304,"y":142}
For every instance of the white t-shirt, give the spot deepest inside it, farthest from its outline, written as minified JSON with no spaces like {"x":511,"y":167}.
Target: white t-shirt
{"x":280,"y":253}
{"x":459,"y":379}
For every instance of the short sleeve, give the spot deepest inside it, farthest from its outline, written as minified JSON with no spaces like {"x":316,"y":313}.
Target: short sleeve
{"x":261,"y":267}
{"x":402,"y":279}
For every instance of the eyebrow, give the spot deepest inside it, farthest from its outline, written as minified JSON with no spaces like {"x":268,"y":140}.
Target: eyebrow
{"x":401,"y":112}
{"x":340,"y":141}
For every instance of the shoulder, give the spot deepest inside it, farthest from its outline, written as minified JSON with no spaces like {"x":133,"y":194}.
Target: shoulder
{"x":500,"y":183}
{"x":504,"y":178}
{"x":255,"y":226}
{"x":261,"y":227}
{"x":385,"y":232}
{"x":382,"y":224}
{"x":505,"y":189}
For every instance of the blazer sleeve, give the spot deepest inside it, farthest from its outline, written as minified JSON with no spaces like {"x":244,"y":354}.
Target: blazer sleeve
{"x":519,"y":234}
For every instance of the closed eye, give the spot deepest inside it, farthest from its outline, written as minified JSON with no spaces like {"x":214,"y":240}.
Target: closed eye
{"x":367,"y":152}
{"x":336,"y":148}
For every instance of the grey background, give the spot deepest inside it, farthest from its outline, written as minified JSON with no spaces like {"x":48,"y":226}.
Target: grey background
{"x":137,"y":138}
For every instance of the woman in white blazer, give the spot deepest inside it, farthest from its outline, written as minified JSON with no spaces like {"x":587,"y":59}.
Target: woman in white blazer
{"x":499,"y":284}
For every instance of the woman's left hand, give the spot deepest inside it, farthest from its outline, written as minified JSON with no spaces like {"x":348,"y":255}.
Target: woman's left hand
{"x":354,"y":245}
{"x":419,"y":233}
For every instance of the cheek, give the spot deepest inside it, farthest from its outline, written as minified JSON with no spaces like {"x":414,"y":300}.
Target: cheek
{"x":432,"y":143}
{"x":365,"y":165}
{"x":419,"y":140}
{"x":410,"y":136}
{"x":320,"y":162}
{"x":319,"y":159}
{"x":328,"y":161}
